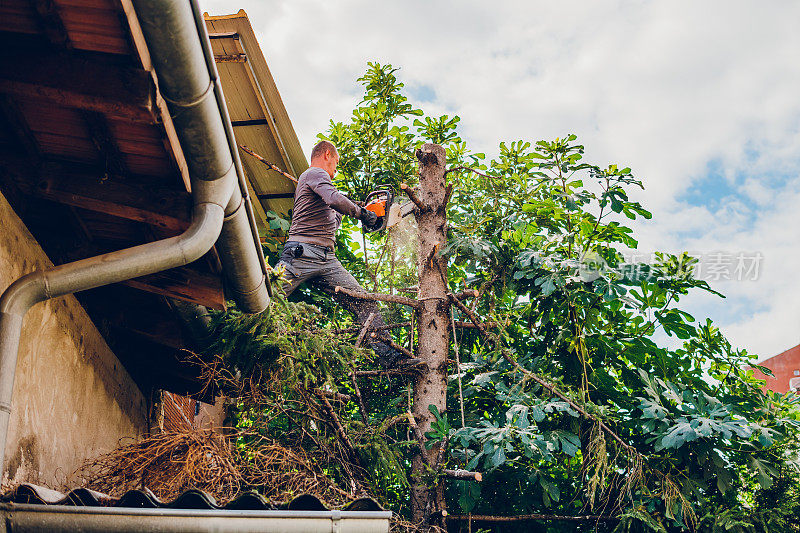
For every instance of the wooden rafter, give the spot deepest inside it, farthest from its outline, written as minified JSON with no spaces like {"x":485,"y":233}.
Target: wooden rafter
{"x":51,"y":22}
{"x":105,"y":143}
{"x":101,"y":192}
{"x":15,"y":120}
{"x":185,"y":283}
{"x":77,"y":83}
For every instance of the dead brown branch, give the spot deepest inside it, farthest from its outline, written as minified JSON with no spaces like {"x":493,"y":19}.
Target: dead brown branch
{"x":364,"y":329}
{"x":385,"y":372}
{"x":171,"y":462}
{"x":397,"y":325}
{"x":386,"y":340}
{"x":528,"y":517}
{"x":333,"y":419}
{"x":378,"y":297}
{"x":334,"y":395}
{"x":387,"y":327}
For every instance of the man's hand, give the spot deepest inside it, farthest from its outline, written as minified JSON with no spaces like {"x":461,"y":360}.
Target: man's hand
{"x":369,"y":219}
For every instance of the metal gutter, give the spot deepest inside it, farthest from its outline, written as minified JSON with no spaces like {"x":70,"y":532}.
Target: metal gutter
{"x":171,"y":29}
{"x":232,"y":144}
{"x":24,"y":518}
{"x":185,"y":80}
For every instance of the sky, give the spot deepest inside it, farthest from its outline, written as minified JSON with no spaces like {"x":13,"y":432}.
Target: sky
{"x":700,"y":99}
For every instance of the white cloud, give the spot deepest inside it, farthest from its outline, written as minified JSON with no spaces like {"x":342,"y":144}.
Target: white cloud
{"x":664,"y":87}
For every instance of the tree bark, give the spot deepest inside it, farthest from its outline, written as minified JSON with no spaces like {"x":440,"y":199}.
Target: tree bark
{"x":433,"y":322}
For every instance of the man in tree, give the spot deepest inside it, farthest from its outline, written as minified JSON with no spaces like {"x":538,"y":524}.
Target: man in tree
{"x":308,"y":254}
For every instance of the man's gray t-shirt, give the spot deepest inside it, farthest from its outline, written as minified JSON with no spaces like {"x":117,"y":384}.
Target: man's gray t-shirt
{"x":318,"y":209}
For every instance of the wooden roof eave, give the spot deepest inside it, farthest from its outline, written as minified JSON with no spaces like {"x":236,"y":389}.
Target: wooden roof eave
{"x":253,"y":94}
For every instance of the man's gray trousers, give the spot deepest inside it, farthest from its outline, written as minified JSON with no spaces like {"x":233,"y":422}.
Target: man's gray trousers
{"x":319,"y":266}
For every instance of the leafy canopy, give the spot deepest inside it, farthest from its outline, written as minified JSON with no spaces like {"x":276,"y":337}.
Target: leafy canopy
{"x":543,"y":235}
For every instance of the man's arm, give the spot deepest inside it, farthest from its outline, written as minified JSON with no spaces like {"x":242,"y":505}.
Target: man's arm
{"x":321,"y":184}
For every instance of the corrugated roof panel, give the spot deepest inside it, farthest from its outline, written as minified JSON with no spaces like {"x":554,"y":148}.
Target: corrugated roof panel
{"x":28,"y":493}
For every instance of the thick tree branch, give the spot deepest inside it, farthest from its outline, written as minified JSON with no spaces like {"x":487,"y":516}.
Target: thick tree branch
{"x":387,"y":327}
{"x":463,"y":474}
{"x":378,"y":297}
{"x":528,"y":517}
{"x":412,"y":195}
{"x":397,"y":325}
{"x":463,"y":295}
{"x":385,"y":372}
{"x":333,"y":395}
{"x":448,"y":192}
{"x":389,"y":422}
{"x":390,"y":342}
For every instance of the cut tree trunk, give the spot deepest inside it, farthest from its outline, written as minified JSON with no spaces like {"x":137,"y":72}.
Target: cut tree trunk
{"x":433,"y":320}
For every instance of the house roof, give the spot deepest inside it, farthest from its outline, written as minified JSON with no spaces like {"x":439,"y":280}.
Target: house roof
{"x":91,"y":162}
{"x":32,"y":508}
{"x":189,"y":499}
{"x":259,"y":118}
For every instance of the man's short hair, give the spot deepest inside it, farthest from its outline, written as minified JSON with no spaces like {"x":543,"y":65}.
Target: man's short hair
{"x":322,"y":148}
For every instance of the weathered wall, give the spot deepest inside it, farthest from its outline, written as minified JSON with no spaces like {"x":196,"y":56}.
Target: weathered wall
{"x":72,"y":397}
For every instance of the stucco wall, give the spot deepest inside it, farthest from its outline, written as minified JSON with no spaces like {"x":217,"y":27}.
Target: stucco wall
{"x":72,"y":397}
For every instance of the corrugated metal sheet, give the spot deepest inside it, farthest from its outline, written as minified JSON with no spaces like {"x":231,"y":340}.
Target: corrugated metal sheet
{"x":36,"y":509}
{"x":191,"y":499}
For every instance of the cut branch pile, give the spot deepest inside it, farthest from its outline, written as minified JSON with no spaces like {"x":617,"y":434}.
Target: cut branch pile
{"x":170,"y":463}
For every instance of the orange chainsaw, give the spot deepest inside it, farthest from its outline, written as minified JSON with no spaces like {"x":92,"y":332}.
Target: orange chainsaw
{"x":381,"y":202}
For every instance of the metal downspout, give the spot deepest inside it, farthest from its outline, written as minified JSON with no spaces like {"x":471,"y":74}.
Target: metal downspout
{"x":211,"y":64}
{"x":171,"y":29}
{"x":186,"y":84}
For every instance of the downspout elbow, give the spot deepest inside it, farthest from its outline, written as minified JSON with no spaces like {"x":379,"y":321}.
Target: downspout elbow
{"x":24,"y":293}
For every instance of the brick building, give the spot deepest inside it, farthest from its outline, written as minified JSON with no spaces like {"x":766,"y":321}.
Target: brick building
{"x":786,"y":368}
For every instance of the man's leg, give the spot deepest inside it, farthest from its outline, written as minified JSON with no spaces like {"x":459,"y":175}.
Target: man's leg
{"x":336,"y":275}
{"x":297,"y":269}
